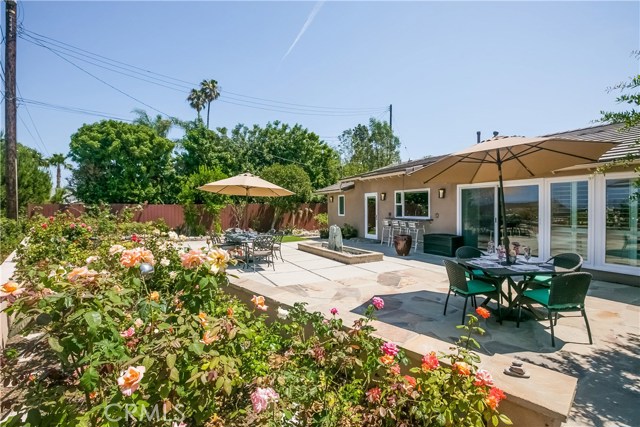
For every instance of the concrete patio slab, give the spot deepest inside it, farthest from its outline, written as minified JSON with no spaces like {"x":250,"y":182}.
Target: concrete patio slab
{"x":414,"y":289}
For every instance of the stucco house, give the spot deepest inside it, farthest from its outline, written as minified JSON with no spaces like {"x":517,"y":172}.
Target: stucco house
{"x":574,"y":209}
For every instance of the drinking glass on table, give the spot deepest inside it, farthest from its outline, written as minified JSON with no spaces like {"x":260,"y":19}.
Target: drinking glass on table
{"x":527,"y":253}
{"x":502,"y":253}
{"x":491,"y":247}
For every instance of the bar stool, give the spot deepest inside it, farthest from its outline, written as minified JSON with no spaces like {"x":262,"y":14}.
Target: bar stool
{"x":387,"y":230}
{"x":395,"y":230}
{"x":413,"y":229}
{"x":404,"y":229}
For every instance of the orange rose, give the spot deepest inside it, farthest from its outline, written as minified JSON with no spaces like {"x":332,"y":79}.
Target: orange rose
{"x":483,"y":312}
{"x":462,"y":368}
{"x":208,"y":337}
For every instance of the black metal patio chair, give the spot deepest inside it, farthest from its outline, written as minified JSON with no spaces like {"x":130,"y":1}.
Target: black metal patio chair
{"x":262,"y":249}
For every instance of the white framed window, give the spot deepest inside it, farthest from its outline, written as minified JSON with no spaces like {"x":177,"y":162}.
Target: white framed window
{"x":413,"y":204}
{"x":341,"y":205}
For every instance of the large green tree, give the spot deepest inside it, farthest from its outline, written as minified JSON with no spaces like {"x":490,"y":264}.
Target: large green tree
{"x":367,"y":148}
{"x":204,"y":147}
{"x":293,"y":178}
{"x":121,"y":163}
{"x":34,"y":181}
{"x":159,"y":124}
{"x":258,"y":147}
{"x":212,"y":203}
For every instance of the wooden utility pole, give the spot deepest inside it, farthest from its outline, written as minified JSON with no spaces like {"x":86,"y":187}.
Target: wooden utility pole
{"x":11,"y":142}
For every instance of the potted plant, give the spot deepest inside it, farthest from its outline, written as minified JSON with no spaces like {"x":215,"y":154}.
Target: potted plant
{"x":402,"y":244}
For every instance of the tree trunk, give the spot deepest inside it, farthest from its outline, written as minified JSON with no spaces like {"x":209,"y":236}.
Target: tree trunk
{"x":58,"y":175}
{"x":208,"y":109}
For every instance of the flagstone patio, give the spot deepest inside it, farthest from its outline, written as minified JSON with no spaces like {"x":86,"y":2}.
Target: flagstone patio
{"x":414,"y":289}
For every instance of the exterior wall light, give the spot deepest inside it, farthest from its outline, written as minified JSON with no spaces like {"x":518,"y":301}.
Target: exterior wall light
{"x":383,"y":196}
{"x":441,"y":193}
{"x":331,"y":199}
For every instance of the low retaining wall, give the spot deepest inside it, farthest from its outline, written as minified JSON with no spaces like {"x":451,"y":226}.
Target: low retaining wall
{"x":543,"y":400}
{"x":357,"y":256}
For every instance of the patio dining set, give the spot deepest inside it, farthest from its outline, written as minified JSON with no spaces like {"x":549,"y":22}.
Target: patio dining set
{"x":249,"y":247}
{"x":557,"y":285}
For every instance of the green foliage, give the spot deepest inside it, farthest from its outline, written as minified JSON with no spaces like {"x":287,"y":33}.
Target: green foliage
{"x":293,"y":178}
{"x":121,"y":163}
{"x":203,"y":147}
{"x":190,"y":348}
{"x":58,"y":161}
{"x":364,"y":149}
{"x":11,"y":234}
{"x":159,"y":124}
{"x":190,"y":196}
{"x":630,"y":95}
{"x":278,"y":142}
{"x":349,"y":231}
{"x":34,"y":182}
{"x":323,"y":222}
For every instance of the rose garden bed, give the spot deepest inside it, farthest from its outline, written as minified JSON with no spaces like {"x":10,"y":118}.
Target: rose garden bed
{"x":144,"y":333}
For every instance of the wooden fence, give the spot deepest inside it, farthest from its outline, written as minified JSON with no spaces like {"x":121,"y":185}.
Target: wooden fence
{"x":257,"y":216}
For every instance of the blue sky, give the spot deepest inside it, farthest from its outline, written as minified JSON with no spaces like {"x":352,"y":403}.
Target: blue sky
{"x":449,"y":68}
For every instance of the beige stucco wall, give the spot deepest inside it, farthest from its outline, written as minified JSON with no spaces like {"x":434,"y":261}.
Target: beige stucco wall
{"x":443,"y":211}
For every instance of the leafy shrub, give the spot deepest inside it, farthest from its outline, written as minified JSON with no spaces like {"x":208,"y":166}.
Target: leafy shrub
{"x":349,"y":231}
{"x":11,"y":233}
{"x":143,"y":332}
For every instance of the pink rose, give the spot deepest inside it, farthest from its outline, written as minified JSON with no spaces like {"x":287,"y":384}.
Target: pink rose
{"x":430,"y":361}
{"x":378,"y":303}
{"x":389,"y":348}
{"x":72,"y":225}
{"x":128,"y":333}
{"x":261,"y":397}
{"x":483,"y":377}
{"x":334,"y":311}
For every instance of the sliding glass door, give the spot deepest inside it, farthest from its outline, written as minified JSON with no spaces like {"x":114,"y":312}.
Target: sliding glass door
{"x":569,"y":218}
{"x":622,"y":238}
{"x":478,"y":213}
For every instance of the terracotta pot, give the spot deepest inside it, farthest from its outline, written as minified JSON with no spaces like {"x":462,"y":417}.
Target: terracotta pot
{"x":402,"y":243}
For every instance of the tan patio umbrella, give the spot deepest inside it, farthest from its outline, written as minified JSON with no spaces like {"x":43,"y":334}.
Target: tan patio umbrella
{"x":247,"y":185}
{"x":513,"y":158}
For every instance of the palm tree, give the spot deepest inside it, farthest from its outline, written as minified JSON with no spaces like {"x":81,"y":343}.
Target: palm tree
{"x":58,"y":160}
{"x":211,"y":92}
{"x":196,"y":100}
{"x":159,"y":124}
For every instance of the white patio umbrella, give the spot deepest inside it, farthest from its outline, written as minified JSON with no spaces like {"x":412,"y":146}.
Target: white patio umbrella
{"x":247,"y":185}
{"x":513,"y":158}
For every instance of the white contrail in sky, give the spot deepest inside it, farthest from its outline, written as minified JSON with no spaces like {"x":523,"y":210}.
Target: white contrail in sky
{"x":308,"y":22}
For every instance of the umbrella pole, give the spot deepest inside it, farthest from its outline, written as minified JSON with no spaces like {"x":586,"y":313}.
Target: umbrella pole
{"x":503,"y":209}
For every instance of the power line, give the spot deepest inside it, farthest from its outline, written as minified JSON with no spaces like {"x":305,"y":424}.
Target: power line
{"x":77,"y":110}
{"x":102,"y":81}
{"x":42,"y":39}
{"x":34,"y":123}
{"x":41,"y":43}
{"x":291,"y":112}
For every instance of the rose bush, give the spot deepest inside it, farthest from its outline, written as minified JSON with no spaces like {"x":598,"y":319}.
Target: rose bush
{"x":141,"y":331}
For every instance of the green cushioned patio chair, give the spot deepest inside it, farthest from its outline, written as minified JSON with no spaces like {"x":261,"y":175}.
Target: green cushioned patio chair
{"x":468,"y":252}
{"x":566,"y":261}
{"x":459,"y":284}
{"x":566,"y":293}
